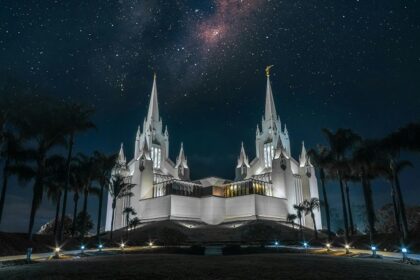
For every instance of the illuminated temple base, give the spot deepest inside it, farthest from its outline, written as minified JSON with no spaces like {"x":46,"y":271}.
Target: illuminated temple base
{"x":213,"y":210}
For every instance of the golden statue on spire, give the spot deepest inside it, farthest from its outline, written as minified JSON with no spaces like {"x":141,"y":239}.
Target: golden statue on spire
{"x":267,"y":70}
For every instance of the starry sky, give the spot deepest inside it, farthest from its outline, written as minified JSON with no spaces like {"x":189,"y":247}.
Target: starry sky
{"x":338,"y":63}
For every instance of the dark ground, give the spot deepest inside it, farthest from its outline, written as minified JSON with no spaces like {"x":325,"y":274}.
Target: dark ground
{"x":263,"y":266}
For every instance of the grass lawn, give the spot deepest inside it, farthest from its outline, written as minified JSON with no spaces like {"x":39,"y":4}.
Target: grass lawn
{"x":171,"y":266}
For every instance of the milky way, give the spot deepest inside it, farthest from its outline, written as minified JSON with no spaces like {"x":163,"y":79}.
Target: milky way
{"x":338,"y":63}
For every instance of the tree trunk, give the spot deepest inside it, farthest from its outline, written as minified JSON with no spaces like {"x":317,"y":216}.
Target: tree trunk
{"x":367,"y":194}
{"x":114,"y":202}
{"x":98,"y":225}
{"x":315,"y":229}
{"x":395,"y":207}
{"x":36,"y":198}
{"x":301,"y":229}
{"x":326,"y":205}
{"x":84,"y":212}
{"x":66,"y":186}
{"x":37,"y":191}
{"x":76,"y":200}
{"x":343,"y":203}
{"x":349,"y":208}
{"x":401,"y":208}
{"x":4,"y":187}
{"x":57,"y":214}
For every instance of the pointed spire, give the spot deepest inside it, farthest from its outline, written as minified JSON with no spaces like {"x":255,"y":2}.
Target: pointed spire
{"x":243,"y":158}
{"x":166,"y":131}
{"x":138,"y":134}
{"x":270,"y":108}
{"x":153,"y":113}
{"x":258,"y":130}
{"x":285,"y":131}
{"x":121,"y":157}
{"x":181,"y":160}
{"x":303,"y":156}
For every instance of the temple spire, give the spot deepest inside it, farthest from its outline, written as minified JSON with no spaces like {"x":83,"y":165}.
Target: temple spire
{"x":270,"y":108}
{"x":303,"y":156}
{"x":242,"y":159}
{"x":121,"y":157}
{"x":181,"y":159}
{"x":153,"y":113}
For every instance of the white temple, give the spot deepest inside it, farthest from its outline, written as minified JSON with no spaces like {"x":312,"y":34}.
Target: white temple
{"x":266,"y":187}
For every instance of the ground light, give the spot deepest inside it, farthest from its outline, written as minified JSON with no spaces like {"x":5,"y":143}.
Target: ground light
{"x":404,"y":252}
{"x":82,"y":249}
{"x":150,"y":243}
{"x":328,"y":245}
{"x":305,"y":244}
{"x":373,"y":248}
{"x":100,"y":247}
{"x":347,"y":247}
{"x":122,"y":246}
{"x":57,"y":252}
{"x":276,"y":243}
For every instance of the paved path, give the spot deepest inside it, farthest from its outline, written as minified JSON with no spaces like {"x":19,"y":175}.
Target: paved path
{"x":44,"y":256}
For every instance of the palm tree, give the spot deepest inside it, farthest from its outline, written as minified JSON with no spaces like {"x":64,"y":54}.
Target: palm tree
{"x":405,"y":138}
{"x":128,"y":211}
{"x":118,"y":188}
{"x":134,"y":222}
{"x":87,"y":169}
{"x":396,"y":168}
{"x":300,"y":209}
{"x":12,"y":152}
{"x":388,"y":173}
{"x":54,"y":181}
{"x":340,"y":143}
{"x":291,"y":219}
{"x":76,"y":119}
{"x":42,"y":122}
{"x":76,"y":184}
{"x":310,"y":206}
{"x":366,"y":162}
{"x":349,"y":176}
{"x":104,"y":167}
{"x":322,"y":158}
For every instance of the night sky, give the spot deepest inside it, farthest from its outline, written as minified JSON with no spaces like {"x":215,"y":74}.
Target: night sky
{"x":338,"y":63}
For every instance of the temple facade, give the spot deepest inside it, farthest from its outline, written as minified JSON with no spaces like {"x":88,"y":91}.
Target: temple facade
{"x":266,"y":187}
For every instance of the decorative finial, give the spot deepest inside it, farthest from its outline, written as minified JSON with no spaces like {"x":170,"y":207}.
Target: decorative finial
{"x":267,"y":70}
{"x":154,"y":75}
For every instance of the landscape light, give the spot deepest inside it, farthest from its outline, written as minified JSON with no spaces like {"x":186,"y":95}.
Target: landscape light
{"x":276,"y":243}
{"x":305,"y":244}
{"x":122,"y":245}
{"x":373,"y":250}
{"x":82,"y":248}
{"x":100,"y":246}
{"x":347,"y":246}
{"x":150,"y":243}
{"x":328,"y":246}
{"x":404,"y":253}
{"x":57,"y":249}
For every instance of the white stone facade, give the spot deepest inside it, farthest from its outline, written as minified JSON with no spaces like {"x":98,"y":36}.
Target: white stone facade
{"x":266,"y":187}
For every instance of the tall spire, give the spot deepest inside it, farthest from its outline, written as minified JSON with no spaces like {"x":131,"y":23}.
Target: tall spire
{"x":270,"y":108}
{"x":303,"y":156}
{"x":242,"y":159}
{"x":153,"y":113}
{"x":181,"y":160}
{"x":121,"y":156}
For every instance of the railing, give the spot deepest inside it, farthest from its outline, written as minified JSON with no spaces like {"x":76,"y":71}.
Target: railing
{"x":184,"y":188}
{"x":176,"y":187}
{"x":246,"y":187}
